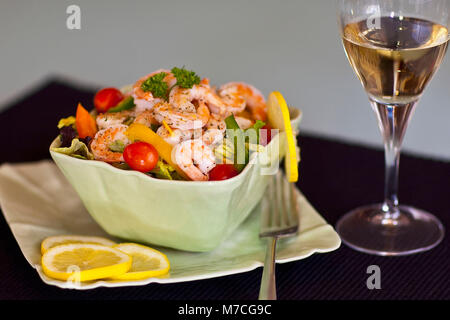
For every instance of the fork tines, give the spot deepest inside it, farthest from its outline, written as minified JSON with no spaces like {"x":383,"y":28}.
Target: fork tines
{"x":280,"y":217}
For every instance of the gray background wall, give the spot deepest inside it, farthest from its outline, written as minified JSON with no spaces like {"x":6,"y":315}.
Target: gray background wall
{"x":291,"y":46}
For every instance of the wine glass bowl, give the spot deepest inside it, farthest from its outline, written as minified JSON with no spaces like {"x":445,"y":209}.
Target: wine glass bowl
{"x":395,"y":47}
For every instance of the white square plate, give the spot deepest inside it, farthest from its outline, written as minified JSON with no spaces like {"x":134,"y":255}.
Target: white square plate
{"x":38,"y":202}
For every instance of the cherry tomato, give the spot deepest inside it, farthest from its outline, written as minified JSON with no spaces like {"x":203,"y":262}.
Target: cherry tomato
{"x":140,"y":156}
{"x":107,"y":98}
{"x":222,"y":172}
{"x":264,"y":138}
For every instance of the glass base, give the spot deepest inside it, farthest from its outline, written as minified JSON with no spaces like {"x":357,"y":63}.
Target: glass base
{"x":407,"y":231}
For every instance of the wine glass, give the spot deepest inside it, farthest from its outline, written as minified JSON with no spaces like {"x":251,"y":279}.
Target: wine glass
{"x":394,"y":47}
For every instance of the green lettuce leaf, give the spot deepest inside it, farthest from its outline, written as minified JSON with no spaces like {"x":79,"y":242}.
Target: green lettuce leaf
{"x":164,"y":170}
{"x":257,"y":126}
{"x":77,"y":150}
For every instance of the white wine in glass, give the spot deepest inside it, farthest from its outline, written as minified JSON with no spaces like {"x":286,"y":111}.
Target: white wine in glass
{"x":394,"y":47}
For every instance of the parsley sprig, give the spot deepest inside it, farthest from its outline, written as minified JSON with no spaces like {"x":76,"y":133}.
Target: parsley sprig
{"x":186,"y":79}
{"x":156,"y":85}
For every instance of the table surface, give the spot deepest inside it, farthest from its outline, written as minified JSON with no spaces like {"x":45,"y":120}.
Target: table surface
{"x":334,"y":176}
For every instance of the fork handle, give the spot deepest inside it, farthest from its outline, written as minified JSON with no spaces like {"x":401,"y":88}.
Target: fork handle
{"x":268,"y":290}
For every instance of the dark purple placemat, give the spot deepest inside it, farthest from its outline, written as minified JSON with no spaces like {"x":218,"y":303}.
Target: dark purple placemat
{"x":335,"y":177}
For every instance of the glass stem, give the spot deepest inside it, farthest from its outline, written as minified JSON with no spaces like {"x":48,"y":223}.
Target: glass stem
{"x":392,"y":121}
{"x":392,"y":161}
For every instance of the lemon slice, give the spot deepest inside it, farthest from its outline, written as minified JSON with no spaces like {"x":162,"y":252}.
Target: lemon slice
{"x":84,"y":262}
{"x":147,"y":262}
{"x":278,"y":116}
{"x":54,"y":241}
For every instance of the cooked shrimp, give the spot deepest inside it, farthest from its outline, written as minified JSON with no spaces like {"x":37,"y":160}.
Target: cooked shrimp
{"x":243,"y":123}
{"x":184,"y":98}
{"x":144,"y":100}
{"x":103,"y":139}
{"x":106,"y":120}
{"x":176,"y":137}
{"x":234,"y":92}
{"x":215,"y":129}
{"x":146,"y":118}
{"x":195,"y":159}
{"x":182,"y":117}
{"x":232,"y":102}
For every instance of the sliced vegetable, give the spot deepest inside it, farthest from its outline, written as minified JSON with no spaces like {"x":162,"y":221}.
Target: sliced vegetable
{"x":140,"y":156}
{"x":164,"y":170}
{"x":129,"y":120}
{"x":66,"y":135}
{"x":154,"y":127}
{"x":117,"y":146}
{"x":84,"y":122}
{"x":123,"y":105}
{"x":223,"y":172}
{"x":256,"y":126}
{"x":77,"y":149}
{"x":121,"y":165}
{"x":107,"y":98}
{"x":65,"y":122}
{"x":237,"y":136}
{"x":87,"y":141}
{"x":140,"y":132}
{"x":231,"y":123}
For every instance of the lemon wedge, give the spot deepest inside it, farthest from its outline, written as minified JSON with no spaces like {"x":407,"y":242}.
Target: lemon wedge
{"x":84,"y":262}
{"x":147,"y":262}
{"x":279,"y":118}
{"x":54,"y":241}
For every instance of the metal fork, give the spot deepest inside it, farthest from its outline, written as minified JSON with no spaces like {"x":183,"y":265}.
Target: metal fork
{"x":279,"y":218}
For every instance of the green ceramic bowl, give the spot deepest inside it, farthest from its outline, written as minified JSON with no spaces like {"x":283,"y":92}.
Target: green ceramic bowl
{"x":186,"y":215}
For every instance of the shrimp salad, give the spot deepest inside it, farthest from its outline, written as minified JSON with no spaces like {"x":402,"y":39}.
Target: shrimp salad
{"x":170,"y":124}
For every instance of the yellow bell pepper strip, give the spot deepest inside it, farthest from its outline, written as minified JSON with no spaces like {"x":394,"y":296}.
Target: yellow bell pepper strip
{"x":65,"y":122}
{"x":84,"y":122}
{"x":140,"y":132}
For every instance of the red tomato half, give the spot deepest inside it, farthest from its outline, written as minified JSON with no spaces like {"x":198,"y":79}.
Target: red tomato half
{"x":107,"y":98}
{"x":140,"y":156}
{"x":222,"y":172}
